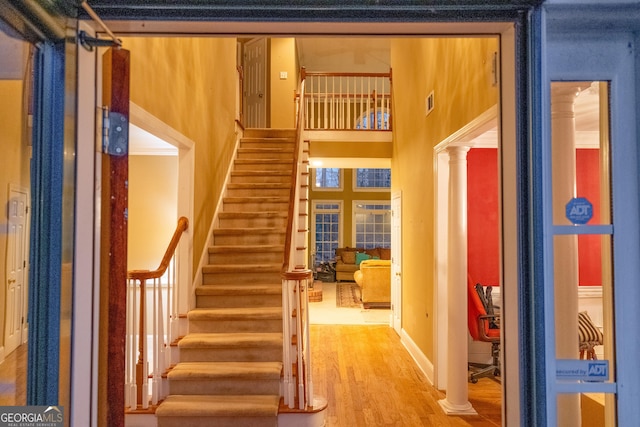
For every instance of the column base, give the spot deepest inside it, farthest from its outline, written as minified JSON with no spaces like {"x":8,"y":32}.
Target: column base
{"x":452,"y":409}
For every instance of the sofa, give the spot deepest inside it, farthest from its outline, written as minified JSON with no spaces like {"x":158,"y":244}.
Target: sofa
{"x":348,"y":260}
{"x":374,"y":279}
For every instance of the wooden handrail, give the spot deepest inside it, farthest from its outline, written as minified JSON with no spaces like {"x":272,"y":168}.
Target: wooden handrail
{"x":141,"y":277}
{"x":333,"y":74}
{"x":294,"y":181}
{"x":183,"y":225}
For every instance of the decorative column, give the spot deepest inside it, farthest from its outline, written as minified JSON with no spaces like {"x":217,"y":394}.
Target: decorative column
{"x":565,"y":264}
{"x":457,"y":399}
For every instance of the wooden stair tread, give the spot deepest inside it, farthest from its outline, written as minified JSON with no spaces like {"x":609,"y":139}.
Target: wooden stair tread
{"x":262,"y":199}
{"x":260,"y":173}
{"x":240,"y":290}
{"x":235,"y":313}
{"x":258,"y":185}
{"x":225,"y":340}
{"x":219,"y":406}
{"x":245,"y":248}
{"x":231,"y":268}
{"x":250,"y":230}
{"x":221,"y":370}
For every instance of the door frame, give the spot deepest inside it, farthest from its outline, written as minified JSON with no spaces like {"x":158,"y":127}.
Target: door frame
{"x":611,"y":58}
{"x":396,"y":261}
{"x":23,"y":298}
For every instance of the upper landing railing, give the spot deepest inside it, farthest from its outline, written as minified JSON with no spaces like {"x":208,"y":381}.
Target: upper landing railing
{"x":347,"y":101}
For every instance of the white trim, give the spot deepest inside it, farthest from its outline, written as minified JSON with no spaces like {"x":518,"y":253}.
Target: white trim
{"x":418,"y":356}
{"x":466,"y":135}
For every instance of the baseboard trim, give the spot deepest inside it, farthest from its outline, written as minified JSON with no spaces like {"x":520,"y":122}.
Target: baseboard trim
{"x":418,"y":356}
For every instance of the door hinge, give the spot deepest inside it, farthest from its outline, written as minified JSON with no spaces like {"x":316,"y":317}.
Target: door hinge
{"x":115,"y":133}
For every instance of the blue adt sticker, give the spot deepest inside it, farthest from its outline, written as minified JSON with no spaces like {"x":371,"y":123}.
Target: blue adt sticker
{"x":579,"y":210}
{"x":585,"y":370}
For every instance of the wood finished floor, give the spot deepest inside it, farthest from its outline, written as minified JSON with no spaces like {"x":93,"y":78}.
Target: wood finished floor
{"x":365,"y":373}
{"x":369,"y":379}
{"x":13,"y":378}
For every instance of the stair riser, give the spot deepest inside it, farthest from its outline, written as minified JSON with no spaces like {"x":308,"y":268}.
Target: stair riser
{"x":249,"y":239}
{"x":243,"y":179}
{"x":225,"y":386}
{"x":269,"y":133}
{"x":235,"y":326}
{"x":232,"y":257}
{"x":217,"y":421}
{"x":274,"y":166}
{"x":238,"y":301}
{"x":249,"y":354}
{"x":276,"y":154}
{"x":256,"y":222}
{"x":258,"y":192}
{"x":255,"y":206}
{"x":241,"y":278}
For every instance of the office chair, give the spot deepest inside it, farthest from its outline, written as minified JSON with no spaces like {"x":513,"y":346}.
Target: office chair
{"x":484,"y":325}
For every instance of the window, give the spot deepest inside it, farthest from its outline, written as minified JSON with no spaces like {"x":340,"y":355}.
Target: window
{"x":326,"y":219}
{"x":368,"y":179}
{"x":327,"y":179}
{"x":372,"y":222}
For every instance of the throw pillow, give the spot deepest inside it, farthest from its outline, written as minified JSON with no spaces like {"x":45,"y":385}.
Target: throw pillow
{"x":375,"y":252}
{"x":587,"y":330}
{"x":385,"y":253}
{"x":349,"y":257}
{"x":361,"y":257}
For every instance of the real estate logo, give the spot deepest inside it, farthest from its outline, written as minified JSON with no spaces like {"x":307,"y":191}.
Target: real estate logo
{"x":31,"y":416}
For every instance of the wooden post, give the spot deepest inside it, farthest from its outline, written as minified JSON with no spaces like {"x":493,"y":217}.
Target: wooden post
{"x":113,"y":257}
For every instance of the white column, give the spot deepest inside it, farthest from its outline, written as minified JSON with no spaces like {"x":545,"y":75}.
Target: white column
{"x":457,"y":398}
{"x":565,"y":263}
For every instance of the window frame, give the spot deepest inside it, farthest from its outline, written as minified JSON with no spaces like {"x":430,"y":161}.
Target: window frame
{"x":314,"y":212}
{"x":354,"y":182}
{"x":355,"y":211}
{"x":314,"y":187}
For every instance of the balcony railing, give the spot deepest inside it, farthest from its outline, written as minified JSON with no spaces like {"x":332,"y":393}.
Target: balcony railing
{"x":347,"y":101}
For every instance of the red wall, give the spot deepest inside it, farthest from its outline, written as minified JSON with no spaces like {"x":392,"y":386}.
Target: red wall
{"x":482,"y":215}
{"x":588,"y":186}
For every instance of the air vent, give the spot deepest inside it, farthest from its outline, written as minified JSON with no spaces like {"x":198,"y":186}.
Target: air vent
{"x":429,"y":103}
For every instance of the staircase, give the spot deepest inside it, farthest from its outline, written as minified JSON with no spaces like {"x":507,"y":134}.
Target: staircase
{"x":231,"y":360}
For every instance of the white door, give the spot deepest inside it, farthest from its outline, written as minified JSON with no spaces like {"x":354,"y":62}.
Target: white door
{"x":396,"y":261}
{"x":591,"y":217}
{"x":255,"y":83}
{"x":16,"y":263}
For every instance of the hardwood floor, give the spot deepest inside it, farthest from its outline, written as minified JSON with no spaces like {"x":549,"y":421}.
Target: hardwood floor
{"x":369,"y":379}
{"x":13,"y":378}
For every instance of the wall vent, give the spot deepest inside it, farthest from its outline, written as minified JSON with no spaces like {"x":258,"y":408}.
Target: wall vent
{"x":429,"y":104}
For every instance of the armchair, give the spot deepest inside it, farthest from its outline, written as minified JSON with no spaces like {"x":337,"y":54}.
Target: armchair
{"x":374,"y":279}
{"x":483,"y":326}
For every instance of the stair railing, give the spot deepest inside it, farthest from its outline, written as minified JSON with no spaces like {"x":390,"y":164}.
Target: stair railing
{"x":298,"y":385}
{"x":157,"y":288}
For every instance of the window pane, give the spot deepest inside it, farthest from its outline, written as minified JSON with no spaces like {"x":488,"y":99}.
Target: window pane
{"x":373,"y":225}
{"x":328,"y":178}
{"x":373,"y":178}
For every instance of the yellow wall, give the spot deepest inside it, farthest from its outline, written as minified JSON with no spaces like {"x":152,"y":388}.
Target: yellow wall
{"x":153,"y":207}
{"x":459,"y":71}
{"x":14,"y":165}
{"x":347,"y":195}
{"x":283,"y":58}
{"x":190,"y":84}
